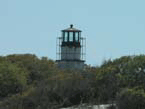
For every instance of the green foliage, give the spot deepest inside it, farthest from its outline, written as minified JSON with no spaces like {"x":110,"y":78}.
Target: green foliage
{"x":129,"y":70}
{"x":131,"y":98}
{"x":11,"y":77}
{"x":11,"y":74}
{"x":125,"y":72}
{"x":18,"y":70}
{"x":38,"y":69}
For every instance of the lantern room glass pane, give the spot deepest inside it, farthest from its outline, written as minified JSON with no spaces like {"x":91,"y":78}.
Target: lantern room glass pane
{"x":62,"y":36}
{"x":65,"y":37}
{"x":79,"y":35}
{"x":76,"y":36}
{"x":70,"y":36}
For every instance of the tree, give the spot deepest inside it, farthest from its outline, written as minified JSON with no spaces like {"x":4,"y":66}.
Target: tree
{"x":131,"y":99}
{"x":12,"y":78}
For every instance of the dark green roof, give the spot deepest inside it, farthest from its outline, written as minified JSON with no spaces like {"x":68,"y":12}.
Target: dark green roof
{"x":71,"y":29}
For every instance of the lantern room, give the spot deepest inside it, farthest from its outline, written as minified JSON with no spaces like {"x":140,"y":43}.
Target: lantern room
{"x":71,"y":34}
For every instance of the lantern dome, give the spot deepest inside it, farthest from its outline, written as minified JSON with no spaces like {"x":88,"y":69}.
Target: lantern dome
{"x":71,"y":29}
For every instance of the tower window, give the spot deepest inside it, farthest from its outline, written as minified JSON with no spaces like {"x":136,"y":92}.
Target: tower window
{"x":71,"y":36}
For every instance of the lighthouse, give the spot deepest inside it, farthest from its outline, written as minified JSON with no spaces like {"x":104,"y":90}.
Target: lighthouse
{"x":71,"y":48}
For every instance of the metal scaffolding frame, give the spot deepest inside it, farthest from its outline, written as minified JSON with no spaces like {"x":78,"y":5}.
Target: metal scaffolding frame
{"x":82,"y":45}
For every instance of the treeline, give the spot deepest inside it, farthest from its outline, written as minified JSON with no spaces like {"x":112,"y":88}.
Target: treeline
{"x":29,"y":82}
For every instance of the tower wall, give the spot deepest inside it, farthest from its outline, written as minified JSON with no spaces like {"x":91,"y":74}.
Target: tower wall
{"x":70,"y":53}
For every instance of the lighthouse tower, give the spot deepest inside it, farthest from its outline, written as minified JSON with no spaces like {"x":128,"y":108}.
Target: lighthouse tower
{"x":71,"y":49}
